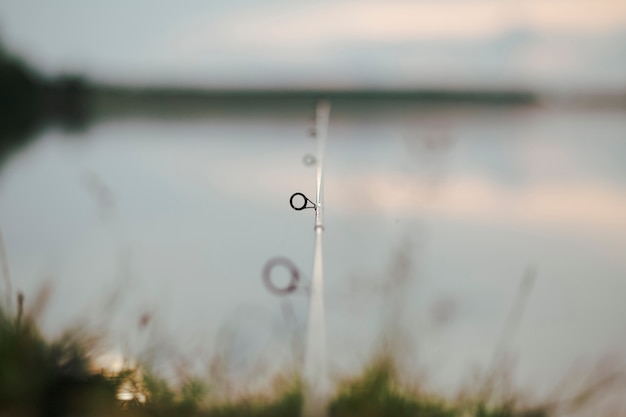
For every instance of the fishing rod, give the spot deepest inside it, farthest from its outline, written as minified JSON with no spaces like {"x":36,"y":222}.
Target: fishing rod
{"x":314,"y":370}
{"x":314,"y":373}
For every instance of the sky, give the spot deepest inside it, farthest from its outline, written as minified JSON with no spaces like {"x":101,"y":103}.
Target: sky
{"x":540,"y":44}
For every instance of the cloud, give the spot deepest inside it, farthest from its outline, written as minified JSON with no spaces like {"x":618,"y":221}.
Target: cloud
{"x":537,"y":43}
{"x":296,"y":26}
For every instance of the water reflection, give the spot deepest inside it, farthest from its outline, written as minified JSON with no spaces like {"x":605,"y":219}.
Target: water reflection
{"x":175,"y":207}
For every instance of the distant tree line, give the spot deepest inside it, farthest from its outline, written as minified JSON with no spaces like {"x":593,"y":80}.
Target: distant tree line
{"x":28,"y":99}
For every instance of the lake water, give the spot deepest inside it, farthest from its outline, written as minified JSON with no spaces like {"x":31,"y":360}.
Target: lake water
{"x":154,"y":224}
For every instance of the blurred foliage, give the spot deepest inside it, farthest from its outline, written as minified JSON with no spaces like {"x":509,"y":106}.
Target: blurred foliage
{"x":377,"y":392}
{"x":52,"y":378}
{"x":40,"y":377}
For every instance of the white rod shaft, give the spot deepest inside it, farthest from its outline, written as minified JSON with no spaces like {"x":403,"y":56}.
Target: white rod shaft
{"x":315,"y":375}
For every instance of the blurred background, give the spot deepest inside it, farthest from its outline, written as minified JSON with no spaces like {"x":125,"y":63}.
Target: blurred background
{"x":148,"y":151}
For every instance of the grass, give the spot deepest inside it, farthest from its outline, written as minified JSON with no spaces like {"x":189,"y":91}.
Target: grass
{"x":41,"y":377}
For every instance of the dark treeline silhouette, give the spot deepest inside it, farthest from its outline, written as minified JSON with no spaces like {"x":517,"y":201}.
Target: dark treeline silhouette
{"x":428,"y":95}
{"x":28,"y":100}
